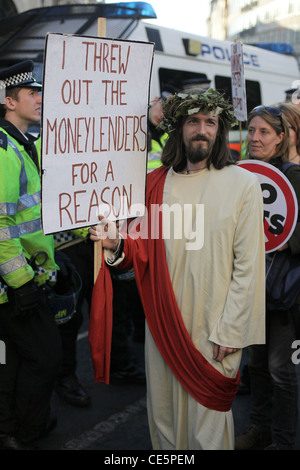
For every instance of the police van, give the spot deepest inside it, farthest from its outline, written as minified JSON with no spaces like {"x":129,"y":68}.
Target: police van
{"x":180,"y":58}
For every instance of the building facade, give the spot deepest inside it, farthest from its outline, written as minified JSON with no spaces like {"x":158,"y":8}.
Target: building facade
{"x":257,"y":21}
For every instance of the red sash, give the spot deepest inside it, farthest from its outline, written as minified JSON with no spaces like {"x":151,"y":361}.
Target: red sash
{"x":201,"y":380}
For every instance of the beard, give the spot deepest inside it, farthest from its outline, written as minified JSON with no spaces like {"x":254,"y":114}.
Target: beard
{"x":200,"y":152}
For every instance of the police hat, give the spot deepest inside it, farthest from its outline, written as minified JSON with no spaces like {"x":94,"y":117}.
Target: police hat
{"x":290,"y":91}
{"x":19,"y":75}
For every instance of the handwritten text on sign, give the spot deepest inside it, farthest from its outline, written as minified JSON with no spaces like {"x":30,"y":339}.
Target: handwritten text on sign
{"x":94,"y":129}
{"x":238,"y":82}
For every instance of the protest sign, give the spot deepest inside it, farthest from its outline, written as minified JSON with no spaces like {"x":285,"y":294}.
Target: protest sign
{"x":238,"y":86}
{"x":94,"y":130}
{"x":279,"y":202}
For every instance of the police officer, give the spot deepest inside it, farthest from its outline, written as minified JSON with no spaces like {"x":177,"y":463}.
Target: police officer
{"x":156,"y":136}
{"x":27,"y":327}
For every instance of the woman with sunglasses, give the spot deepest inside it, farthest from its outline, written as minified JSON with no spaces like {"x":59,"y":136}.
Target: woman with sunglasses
{"x":292,"y":114}
{"x":272,"y":374}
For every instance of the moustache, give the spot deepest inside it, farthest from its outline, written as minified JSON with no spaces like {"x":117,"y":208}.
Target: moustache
{"x":200,"y":137}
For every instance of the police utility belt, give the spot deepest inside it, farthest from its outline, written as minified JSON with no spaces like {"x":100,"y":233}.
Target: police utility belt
{"x":61,"y":301}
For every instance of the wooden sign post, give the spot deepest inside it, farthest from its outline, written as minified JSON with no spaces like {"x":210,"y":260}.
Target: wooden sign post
{"x":101,"y":29}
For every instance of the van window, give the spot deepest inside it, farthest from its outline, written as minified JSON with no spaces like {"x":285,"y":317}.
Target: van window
{"x":253,"y":94}
{"x":177,"y":78}
{"x":154,"y":36}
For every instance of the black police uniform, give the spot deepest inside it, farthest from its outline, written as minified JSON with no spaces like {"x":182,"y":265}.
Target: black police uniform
{"x":32,"y":342}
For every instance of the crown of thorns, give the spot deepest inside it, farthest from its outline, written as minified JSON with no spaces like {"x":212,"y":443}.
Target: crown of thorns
{"x":182,"y":104}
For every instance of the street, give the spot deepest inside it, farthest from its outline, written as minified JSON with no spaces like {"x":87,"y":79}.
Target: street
{"x":117,"y":417}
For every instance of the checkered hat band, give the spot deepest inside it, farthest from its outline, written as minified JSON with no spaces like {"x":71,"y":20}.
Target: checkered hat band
{"x":15,"y":80}
{"x":63,"y":237}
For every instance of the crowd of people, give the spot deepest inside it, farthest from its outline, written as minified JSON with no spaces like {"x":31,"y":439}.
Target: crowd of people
{"x":202,"y":294}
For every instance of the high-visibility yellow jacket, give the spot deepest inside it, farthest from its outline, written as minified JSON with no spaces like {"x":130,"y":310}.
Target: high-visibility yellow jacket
{"x":154,"y":153}
{"x":21,"y":235}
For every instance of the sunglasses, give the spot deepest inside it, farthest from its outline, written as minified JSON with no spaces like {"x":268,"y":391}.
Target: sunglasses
{"x":273,"y":111}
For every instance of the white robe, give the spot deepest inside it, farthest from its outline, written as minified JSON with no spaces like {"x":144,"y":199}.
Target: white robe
{"x":220,"y":291}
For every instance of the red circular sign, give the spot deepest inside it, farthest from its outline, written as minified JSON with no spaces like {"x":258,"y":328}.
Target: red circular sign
{"x":279,"y":202}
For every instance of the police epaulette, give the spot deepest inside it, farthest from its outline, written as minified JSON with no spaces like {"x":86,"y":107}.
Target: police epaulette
{"x":3,"y":140}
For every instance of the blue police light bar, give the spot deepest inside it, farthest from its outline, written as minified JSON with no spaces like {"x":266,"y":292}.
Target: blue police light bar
{"x":145,"y":9}
{"x":22,"y":35}
{"x":281,"y":47}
